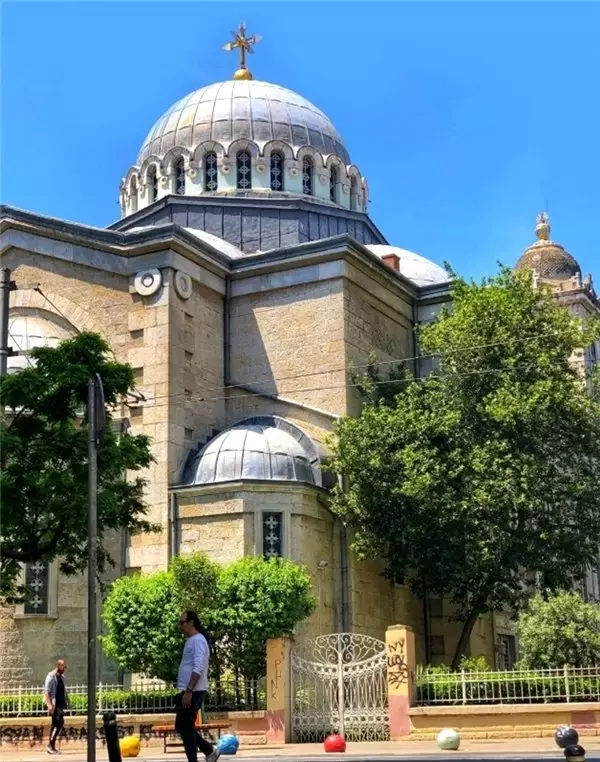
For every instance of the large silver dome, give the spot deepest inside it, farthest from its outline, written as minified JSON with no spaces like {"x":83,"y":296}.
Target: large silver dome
{"x":261,"y":448}
{"x":253,"y":110}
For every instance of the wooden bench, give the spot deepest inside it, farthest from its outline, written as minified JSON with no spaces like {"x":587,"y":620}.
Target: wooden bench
{"x":166,"y":731}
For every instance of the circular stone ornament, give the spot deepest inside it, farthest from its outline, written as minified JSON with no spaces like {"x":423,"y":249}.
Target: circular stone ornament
{"x":147,"y":282}
{"x":448,"y":739}
{"x":183,"y":284}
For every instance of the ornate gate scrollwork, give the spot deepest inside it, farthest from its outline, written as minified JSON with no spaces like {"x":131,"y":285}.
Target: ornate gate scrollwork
{"x":339,"y":683}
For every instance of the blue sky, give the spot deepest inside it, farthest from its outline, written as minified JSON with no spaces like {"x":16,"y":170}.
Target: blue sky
{"x":466,"y":118}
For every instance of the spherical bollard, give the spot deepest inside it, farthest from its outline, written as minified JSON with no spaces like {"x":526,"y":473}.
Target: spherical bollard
{"x":448,"y":739}
{"x":130,"y":746}
{"x":566,"y":736}
{"x":575,"y":753}
{"x":335,"y":743}
{"x":228,"y":744}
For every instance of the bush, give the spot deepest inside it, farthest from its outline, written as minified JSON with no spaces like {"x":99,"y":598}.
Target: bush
{"x":557,"y":629}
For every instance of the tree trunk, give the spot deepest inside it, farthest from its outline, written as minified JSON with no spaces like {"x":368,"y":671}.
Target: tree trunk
{"x":467,"y":629}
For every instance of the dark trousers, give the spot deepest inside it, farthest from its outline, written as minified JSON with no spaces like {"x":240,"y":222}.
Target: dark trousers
{"x":58,"y":722}
{"x":185,"y":721}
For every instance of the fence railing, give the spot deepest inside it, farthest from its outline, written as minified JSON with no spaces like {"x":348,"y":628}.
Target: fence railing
{"x":226,"y":695}
{"x":522,"y":686}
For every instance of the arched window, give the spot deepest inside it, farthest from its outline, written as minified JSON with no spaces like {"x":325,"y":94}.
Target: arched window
{"x":353,"y":193}
{"x":152,"y":183}
{"x":211,"y":174}
{"x":276,"y":171}
{"x":133,"y":194}
{"x":180,"y":177}
{"x":333,"y":181}
{"x":307,"y":176}
{"x":244,"y":170}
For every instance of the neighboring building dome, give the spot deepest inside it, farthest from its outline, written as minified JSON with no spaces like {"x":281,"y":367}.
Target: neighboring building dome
{"x":549,"y":260}
{"x":265,"y":448}
{"x":250,"y":110}
{"x":418,"y":269}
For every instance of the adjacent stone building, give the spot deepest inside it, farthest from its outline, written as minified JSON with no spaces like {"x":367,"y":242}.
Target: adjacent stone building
{"x":242,"y":281}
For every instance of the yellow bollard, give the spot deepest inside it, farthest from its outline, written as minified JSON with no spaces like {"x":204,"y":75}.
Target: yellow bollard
{"x":130,"y":746}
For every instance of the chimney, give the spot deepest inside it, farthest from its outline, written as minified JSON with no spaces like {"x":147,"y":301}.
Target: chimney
{"x":392,"y":260}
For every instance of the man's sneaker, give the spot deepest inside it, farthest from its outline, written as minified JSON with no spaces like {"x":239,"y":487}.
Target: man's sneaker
{"x":213,"y":756}
{"x":52,"y":750}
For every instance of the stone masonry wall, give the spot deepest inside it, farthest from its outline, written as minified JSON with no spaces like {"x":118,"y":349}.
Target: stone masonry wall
{"x":290,"y":342}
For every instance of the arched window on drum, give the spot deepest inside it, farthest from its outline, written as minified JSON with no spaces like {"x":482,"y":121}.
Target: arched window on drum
{"x":211,"y":172}
{"x":276,"y":171}
{"x":244,"y":170}
{"x":307,"y":176}
{"x":180,"y":177}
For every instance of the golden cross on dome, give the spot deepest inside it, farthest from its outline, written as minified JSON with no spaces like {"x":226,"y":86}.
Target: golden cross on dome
{"x":245,"y":45}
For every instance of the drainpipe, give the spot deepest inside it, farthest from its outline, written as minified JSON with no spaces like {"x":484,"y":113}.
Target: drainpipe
{"x":344,"y":584}
{"x":227,"y":332}
{"x":173,"y":547}
{"x":427,"y":625}
{"x":344,"y":579}
{"x":426,"y":609}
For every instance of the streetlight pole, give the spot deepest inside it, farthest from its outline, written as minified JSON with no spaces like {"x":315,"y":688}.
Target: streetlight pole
{"x":92,"y":568}
{"x":96,"y":423}
{"x":6,"y":286}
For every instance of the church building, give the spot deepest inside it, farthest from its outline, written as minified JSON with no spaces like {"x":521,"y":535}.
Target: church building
{"x":243,"y":281}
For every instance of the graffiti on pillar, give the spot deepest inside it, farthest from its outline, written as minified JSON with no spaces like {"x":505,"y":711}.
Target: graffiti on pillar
{"x":278,"y":676}
{"x":396,"y":664}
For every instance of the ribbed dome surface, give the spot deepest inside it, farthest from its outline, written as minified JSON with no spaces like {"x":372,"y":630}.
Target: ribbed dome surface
{"x":254,"y":110}
{"x":261,"y":448}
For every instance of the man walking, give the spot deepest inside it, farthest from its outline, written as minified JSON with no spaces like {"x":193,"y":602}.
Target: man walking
{"x":55,"y":696}
{"x":192,"y":681}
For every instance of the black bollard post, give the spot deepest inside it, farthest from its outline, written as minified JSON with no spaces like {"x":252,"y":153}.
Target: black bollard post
{"x":575,"y":753}
{"x":112,"y":737}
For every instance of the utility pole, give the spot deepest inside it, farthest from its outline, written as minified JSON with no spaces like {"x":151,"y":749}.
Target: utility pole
{"x":96,"y":420}
{"x":6,"y":286}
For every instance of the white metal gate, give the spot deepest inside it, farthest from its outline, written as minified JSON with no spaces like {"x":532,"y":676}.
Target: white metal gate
{"x":339,"y":683}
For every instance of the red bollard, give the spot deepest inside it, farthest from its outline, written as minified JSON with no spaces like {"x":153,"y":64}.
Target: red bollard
{"x":335,"y":743}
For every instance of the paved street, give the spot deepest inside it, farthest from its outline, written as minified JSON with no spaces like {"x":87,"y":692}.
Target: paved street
{"x":531,"y":749}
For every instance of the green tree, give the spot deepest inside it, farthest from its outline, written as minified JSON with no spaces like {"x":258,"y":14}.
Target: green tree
{"x":261,"y":599}
{"x":43,"y":459}
{"x":141,"y":616}
{"x":489,"y":466}
{"x":241,"y":605}
{"x":559,"y":628}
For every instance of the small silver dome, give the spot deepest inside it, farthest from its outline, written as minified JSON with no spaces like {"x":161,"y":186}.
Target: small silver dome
{"x":264,"y":448}
{"x":257,"y":111}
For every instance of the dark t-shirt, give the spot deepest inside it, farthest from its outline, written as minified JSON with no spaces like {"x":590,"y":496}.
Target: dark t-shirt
{"x":60,"y":692}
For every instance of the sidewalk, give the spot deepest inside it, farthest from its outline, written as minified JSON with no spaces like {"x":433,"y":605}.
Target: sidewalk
{"x":532,"y":748}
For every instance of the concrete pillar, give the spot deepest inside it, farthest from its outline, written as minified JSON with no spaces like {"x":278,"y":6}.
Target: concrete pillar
{"x":279,"y":690}
{"x":401,"y":666}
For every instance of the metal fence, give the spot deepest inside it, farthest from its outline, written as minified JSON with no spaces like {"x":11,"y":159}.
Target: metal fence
{"x":147,"y":697}
{"x":522,"y":686}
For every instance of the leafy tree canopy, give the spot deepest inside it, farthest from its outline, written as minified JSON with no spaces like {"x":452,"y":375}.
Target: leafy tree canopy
{"x":43,"y":459}
{"x":241,"y":606}
{"x":141,"y":614}
{"x":559,"y":629}
{"x":487,"y":467}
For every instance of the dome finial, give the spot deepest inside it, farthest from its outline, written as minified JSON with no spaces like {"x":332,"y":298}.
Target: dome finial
{"x":542,"y":226}
{"x":245,"y":45}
